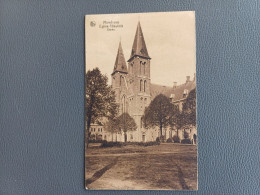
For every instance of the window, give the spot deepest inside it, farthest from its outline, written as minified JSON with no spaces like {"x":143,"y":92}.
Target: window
{"x":172,"y":96}
{"x":101,"y":129}
{"x":144,"y":66}
{"x":98,"y":129}
{"x":131,"y":136}
{"x":120,"y":80}
{"x":94,"y":129}
{"x":141,"y":83}
{"x":185,"y":93}
{"x":144,"y":85}
{"x":124,"y":104}
{"x":140,"y":67}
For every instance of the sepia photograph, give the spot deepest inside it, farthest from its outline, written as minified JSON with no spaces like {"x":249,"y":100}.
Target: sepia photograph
{"x":140,"y":101}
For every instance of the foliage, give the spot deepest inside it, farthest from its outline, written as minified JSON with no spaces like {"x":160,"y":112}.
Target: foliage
{"x":169,"y":140}
{"x":186,"y":141}
{"x":111,"y":125}
{"x":158,"y":113}
{"x":92,"y":137}
{"x":100,"y":98}
{"x":189,"y":108}
{"x":175,"y":118}
{"x":150,"y":143}
{"x":120,"y":144}
{"x":158,"y":140}
{"x":126,"y":123}
{"x":176,"y":139}
{"x":186,"y":135}
{"x":112,"y":144}
{"x":162,"y":138}
{"x":96,"y":141}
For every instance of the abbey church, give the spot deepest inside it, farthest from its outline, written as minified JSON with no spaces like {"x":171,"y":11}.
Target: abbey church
{"x":134,"y":91}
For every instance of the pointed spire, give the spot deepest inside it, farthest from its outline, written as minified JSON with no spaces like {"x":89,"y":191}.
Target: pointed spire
{"x":139,"y":46}
{"x":120,"y":63}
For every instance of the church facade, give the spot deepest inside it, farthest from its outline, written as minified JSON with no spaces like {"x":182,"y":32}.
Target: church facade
{"x":134,"y":91}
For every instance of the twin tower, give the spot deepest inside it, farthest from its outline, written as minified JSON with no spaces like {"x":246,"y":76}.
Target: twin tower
{"x":132,"y":83}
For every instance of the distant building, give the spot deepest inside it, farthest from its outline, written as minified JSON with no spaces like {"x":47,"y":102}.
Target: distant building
{"x":134,"y":92}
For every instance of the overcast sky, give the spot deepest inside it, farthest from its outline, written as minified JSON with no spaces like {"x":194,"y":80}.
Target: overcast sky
{"x":169,"y":37}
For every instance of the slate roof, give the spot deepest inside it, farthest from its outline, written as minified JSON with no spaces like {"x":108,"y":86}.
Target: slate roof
{"x":157,"y":89}
{"x":139,"y":46}
{"x":120,"y":63}
{"x":179,"y":90}
{"x":176,"y":93}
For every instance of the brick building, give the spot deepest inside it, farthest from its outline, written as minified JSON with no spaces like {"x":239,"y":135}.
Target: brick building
{"x":134,"y":91}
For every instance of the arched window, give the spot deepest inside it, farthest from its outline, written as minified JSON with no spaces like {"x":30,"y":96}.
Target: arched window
{"x":123,"y":104}
{"x":120,"y":80}
{"x":141,"y":83}
{"x":132,"y":68}
{"x":144,"y":66}
{"x":144,"y":85}
{"x":140,"y":67}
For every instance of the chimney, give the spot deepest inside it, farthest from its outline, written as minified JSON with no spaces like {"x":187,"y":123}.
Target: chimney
{"x":174,"y":85}
{"x":187,"y":79}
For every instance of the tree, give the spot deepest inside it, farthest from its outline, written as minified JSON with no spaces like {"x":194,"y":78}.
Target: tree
{"x":126,"y":123}
{"x":187,"y":116}
{"x":158,"y":113}
{"x":100,"y":98}
{"x":176,"y":118}
{"x":189,"y":108}
{"x":111,"y":126}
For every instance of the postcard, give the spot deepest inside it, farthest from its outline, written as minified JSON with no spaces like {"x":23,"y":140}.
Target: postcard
{"x":140,"y":101}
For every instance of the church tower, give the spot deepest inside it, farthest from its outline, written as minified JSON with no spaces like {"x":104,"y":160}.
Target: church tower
{"x":119,"y":80}
{"x":139,"y":80}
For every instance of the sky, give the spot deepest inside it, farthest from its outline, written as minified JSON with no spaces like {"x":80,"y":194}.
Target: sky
{"x":169,"y":36}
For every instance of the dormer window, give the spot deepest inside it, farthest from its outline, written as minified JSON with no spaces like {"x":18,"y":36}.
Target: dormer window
{"x":172,"y":96}
{"x":185,"y":93}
